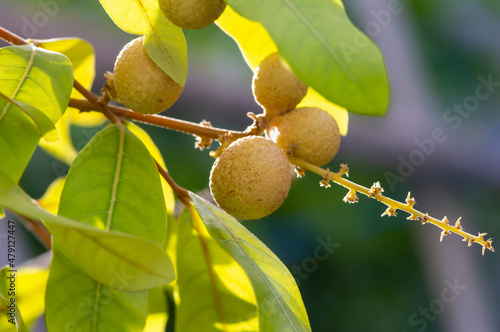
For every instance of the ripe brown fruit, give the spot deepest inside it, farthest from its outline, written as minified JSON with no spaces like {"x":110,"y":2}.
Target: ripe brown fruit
{"x":251,"y":178}
{"x":192,"y":14}
{"x":140,"y":84}
{"x":275,"y":87}
{"x":308,"y":133}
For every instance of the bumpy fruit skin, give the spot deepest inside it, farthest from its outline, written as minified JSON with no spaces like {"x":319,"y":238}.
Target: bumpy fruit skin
{"x":275,"y":88}
{"x":251,"y":178}
{"x":192,"y":14}
{"x":309,"y":133}
{"x":140,"y":84}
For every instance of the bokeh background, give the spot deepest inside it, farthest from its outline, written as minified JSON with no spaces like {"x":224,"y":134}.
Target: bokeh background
{"x":381,"y":274}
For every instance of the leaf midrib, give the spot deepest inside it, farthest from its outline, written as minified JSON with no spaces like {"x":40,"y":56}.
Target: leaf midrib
{"x":116,"y":179}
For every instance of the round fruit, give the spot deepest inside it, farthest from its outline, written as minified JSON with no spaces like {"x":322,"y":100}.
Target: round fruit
{"x":192,"y":14}
{"x":251,"y":178}
{"x":140,"y":84}
{"x":275,"y":87}
{"x":308,"y":133}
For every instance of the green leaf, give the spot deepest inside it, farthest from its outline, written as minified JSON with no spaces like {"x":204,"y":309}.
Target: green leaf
{"x":255,"y":44}
{"x":29,"y":76}
{"x":9,"y":309}
{"x":44,"y":125}
{"x":280,"y":304}
{"x":325,"y":50}
{"x":144,"y":261}
{"x":81,"y":55}
{"x":18,"y":139}
{"x":37,"y":77}
{"x":114,"y":184}
{"x":164,"y":42}
{"x":77,"y":302}
{"x":213,"y":292}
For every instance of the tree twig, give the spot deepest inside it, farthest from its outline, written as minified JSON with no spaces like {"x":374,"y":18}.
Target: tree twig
{"x":392,"y":205}
{"x":161,"y":121}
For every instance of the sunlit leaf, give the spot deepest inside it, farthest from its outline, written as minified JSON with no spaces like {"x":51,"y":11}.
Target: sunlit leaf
{"x":31,"y":283}
{"x":144,"y":261}
{"x":52,"y":196}
{"x":81,"y":55}
{"x":213,"y":291}
{"x":157,"y":310}
{"x":155,"y":153}
{"x":113,"y":184}
{"x":44,"y":125}
{"x":30,"y":293}
{"x":18,"y":139}
{"x":280,"y":306}
{"x":325,"y":50}
{"x":36,"y":77}
{"x":77,"y":302}
{"x":255,"y":44}
{"x":11,"y":315}
{"x":164,"y":42}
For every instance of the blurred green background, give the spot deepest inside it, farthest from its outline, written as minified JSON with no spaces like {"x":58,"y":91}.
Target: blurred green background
{"x":380,"y":274}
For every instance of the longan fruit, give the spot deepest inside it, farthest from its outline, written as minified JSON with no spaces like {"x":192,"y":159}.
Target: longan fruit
{"x":308,"y":133}
{"x":140,"y":84}
{"x":275,"y":87}
{"x":192,"y":14}
{"x":251,"y":178}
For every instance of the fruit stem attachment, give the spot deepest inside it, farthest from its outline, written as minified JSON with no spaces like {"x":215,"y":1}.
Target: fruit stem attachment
{"x":392,"y":205}
{"x":181,"y":193}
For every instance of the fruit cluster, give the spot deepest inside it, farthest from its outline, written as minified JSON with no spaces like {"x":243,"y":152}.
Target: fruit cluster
{"x":252,"y":176}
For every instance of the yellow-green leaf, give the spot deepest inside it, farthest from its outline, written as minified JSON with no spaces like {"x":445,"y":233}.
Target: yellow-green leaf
{"x":325,"y":50}
{"x":164,"y":42}
{"x":280,"y":306}
{"x":145,"y":262}
{"x":52,"y":196}
{"x":35,"y":77}
{"x":168,"y":193}
{"x":157,"y":310}
{"x":255,"y":44}
{"x":213,"y":293}
{"x":81,"y":55}
{"x":9,"y":305}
